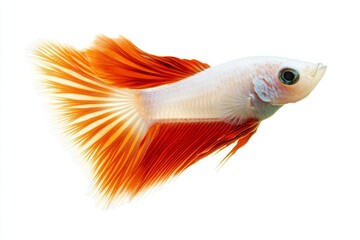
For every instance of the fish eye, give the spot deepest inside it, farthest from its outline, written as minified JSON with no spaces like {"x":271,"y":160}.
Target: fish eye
{"x":289,"y":76}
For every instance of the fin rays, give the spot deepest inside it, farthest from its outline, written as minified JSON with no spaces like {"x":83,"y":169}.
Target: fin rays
{"x":120,"y":63}
{"x":95,"y":93}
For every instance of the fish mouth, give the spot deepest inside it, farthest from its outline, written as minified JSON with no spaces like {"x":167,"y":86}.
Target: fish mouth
{"x":319,"y":71}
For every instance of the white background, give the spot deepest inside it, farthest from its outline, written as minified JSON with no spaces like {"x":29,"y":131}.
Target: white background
{"x":298,"y":177}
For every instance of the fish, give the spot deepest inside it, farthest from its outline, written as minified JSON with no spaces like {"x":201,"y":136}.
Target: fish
{"x":138,"y":119}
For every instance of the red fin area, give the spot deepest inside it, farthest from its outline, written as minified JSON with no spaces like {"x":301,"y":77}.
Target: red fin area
{"x":172,"y":147}
{"x":120,"y":63}
{"x":128,"y":154}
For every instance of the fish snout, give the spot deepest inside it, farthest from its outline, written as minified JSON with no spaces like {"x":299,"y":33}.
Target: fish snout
{"x":319,"y":71}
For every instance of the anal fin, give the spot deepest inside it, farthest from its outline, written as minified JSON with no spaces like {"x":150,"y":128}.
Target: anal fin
{"x":173,"y":147}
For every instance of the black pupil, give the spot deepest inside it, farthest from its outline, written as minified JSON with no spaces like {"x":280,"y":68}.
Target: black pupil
{"x":289,"y":76}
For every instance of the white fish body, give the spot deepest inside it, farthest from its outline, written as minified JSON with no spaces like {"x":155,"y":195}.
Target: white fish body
{"x":229,"y":91}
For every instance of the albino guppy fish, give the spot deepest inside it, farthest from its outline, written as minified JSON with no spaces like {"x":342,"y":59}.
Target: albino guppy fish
{"x":140,"y":119}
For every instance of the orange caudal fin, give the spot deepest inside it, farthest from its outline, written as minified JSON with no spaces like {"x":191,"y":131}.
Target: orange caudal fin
{"x":120,"y":63}
{"x":100,"y":119}
{"x":95,"y":92}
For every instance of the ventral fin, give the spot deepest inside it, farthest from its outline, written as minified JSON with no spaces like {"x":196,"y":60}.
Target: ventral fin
{"x":120,"y":63}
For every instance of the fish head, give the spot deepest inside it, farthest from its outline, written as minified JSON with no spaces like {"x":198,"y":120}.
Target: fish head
{"x":280,"y":81}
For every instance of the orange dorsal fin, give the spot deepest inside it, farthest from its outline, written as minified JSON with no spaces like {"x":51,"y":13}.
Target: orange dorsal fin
{"x":120,"y":63}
